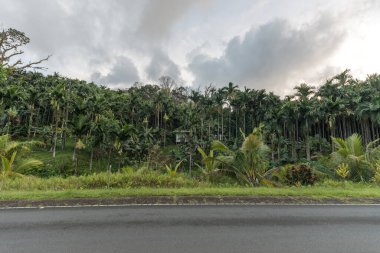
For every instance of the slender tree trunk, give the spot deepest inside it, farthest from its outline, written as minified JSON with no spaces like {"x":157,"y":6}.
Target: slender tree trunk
{"x":202,"y":128}
{"x":64,"y":132}
{"x":218,"y":128}
{"x":222,"y":126}
{"x":236,"y":124}
{"x":373,"y":131}
{"x":344,"y":128}
{"x":91,"y":158}
{"x":30,"y":121}
{"x":62,"y":129}
{"x":229,"y":124}
{"x":307,"y":141}
{"x":55,"y":137}
{"x":244,"y":116}
{"x":294,"y":152}
{"x":272,"y":148}
{"x":209,"y":129}
{"x":74,"y":154}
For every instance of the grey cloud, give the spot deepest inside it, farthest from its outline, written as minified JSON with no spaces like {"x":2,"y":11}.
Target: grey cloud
{"x":160,"y":16}
{"x":123,"y":72}
{"x":89,"y":33}
{"x":77,"y":33}
{"x":161,"y":65}
{"x":270,"y":56}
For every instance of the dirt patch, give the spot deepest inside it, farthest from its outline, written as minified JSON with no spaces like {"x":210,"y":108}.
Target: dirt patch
{"x":180,"y":200}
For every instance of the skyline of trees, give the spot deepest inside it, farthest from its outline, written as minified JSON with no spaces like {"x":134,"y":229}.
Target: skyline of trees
{"x":127,"y":123}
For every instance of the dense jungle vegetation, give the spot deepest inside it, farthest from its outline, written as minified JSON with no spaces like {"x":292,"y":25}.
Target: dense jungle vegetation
{"x":57,"y":126}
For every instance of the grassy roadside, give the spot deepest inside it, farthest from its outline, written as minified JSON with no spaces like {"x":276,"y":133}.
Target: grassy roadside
{"x":315,"y":192}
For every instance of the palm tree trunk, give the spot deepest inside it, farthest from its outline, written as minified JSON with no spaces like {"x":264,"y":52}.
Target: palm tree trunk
{"x":74,"y":152}
{"x":236,"y":124}
{"x":222,"y":126}
{"x":55,"y":137}
{"x":229,"y":124}
{"x":307,"y":140}
{"x":91,"y":158}
{"x":244,"y":115}
{"x":30,"y":122}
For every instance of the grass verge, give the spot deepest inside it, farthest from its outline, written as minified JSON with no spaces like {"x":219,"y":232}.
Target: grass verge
{"x":315,"y":192}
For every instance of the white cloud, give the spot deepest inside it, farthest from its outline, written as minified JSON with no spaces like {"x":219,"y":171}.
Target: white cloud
{"x":221,"y":40}
{"x":272,"y":55}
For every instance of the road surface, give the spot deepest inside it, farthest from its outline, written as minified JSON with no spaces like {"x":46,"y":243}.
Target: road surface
{"x":192,"y":229}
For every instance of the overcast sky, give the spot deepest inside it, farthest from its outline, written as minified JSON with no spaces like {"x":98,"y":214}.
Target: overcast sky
{"x":272,"y":44}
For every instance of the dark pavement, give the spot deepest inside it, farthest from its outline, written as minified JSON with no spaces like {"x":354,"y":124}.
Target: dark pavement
{"x":192,"y":229}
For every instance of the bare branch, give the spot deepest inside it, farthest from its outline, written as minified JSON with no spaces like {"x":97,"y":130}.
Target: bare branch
{"x":11,"y":41}
{"x":32,"y":64}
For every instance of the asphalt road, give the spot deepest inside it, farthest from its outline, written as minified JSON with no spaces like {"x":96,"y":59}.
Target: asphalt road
{"x":192,"y":229}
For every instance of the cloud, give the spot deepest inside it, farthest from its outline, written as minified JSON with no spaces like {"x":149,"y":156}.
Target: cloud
{"x":122,"y":72}
{"x":159,"y":17}
{"x":87,"y":37}
{"x":272,"y":55}
{"x":80,"y":35}
{"x":162,"y":65}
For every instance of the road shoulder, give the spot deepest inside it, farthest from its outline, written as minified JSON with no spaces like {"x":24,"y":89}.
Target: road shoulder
{"x":186,"y":200}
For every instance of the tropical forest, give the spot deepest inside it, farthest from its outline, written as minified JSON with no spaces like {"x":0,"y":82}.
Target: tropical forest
{"x":59,"y":133}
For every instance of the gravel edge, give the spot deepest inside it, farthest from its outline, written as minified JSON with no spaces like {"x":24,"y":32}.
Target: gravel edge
{"x":185,"y":200}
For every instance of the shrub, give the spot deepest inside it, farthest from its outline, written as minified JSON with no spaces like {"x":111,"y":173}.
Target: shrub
{"x":300,"y":174}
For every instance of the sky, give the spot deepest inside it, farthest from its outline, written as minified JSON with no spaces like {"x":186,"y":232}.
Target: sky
{"x":260,"y":44}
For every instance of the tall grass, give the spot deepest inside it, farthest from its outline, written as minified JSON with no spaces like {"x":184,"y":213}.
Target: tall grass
{"x":98,"y":181}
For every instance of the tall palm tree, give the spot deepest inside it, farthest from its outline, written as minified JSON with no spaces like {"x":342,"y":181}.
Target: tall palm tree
{"x":230,"y":92}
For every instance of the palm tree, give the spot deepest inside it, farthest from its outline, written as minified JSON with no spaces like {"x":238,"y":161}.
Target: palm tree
{"x":303,"y":98}
{"x":8,"y":155}
{"x":229,"y":92}
{"x":351,"y":152}
{"x":249,"y":163}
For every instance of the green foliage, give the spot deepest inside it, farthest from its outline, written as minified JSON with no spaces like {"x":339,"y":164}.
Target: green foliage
{"x":106,"y":128}
{"x":79,"y":144}
{"x":300,"y":174}
{"x":8,"y":154}
{"x":172,"y":172}
{"x":99,"y":181}
{"x":376,"y":176}
{"x":3,"y":75}
{"x":249,"y":163}
{"x":251,"y":160}
{"x":343,"y":171}
{"x":157,"y":157}
{"x":351,"y":152}
{"x":210,"y":163}
{"x":128,"y":170}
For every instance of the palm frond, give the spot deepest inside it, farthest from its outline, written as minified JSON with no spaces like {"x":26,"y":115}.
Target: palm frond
{"x":219,"y":146}
{"x":29,"y":163}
